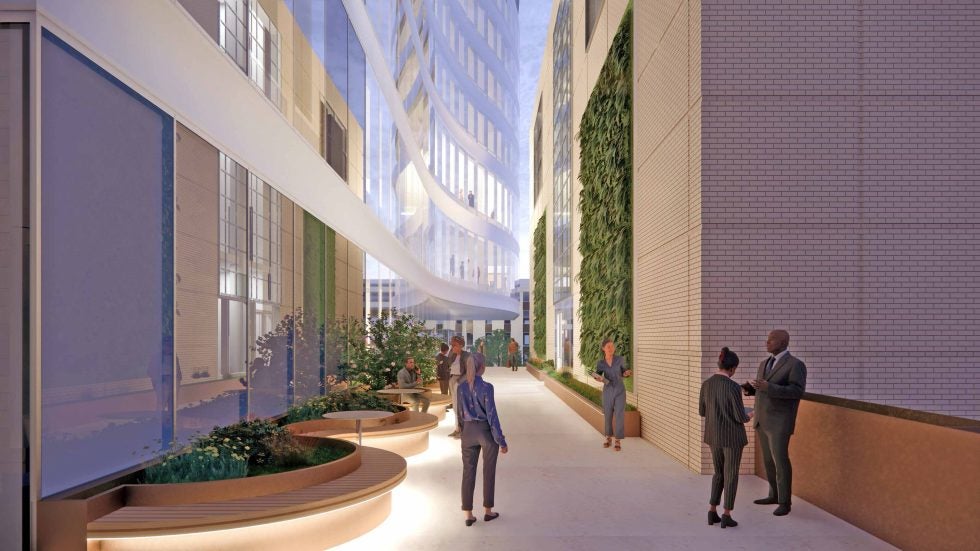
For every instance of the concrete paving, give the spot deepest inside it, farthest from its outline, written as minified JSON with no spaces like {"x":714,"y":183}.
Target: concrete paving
{"x":559,"y":489}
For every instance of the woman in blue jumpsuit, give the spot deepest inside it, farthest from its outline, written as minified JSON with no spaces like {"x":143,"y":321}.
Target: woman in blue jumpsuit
{"x":610,"y":371}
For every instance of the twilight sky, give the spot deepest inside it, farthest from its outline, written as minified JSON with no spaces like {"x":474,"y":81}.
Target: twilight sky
{"x":534,"y":19}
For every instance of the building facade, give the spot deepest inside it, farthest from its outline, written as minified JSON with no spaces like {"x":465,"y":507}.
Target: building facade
{"x":190,"y":189}
{"x":576,"y":46}
{"x":821,"y":180}
{"x":453,"y":159}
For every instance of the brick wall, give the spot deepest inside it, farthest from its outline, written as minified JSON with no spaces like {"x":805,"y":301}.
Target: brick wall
{"x":841,"y":147}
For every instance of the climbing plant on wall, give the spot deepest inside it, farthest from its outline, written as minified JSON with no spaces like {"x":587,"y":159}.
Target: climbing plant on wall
{"x":606,"y":228}
{"x":540,"y":288}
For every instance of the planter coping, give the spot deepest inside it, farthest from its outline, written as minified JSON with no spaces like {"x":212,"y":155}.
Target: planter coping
{"x":379,"y":473}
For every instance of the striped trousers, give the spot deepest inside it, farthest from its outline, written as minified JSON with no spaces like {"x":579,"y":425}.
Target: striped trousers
{"x":726,"y":462}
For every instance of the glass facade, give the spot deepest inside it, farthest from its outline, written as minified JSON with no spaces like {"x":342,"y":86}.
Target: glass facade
{"x":562,"y":259}
{"x":454,"y":66}
{"x":107,"y":278}
{"x":201,"y":294}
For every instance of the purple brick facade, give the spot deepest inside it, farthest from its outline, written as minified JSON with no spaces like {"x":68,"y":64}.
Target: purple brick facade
{"x":840,"y":188}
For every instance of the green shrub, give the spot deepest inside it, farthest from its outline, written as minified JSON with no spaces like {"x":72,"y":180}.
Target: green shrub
{"x":587,"y":391}
{"x":310,"y":458}
{"x":540,"y":287}
{"x":197,"y":465}
{"x":605,"y":199}
{"x":338,"y":400}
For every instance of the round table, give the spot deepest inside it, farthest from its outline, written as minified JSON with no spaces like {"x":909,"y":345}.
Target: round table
{"x":358,"y":416}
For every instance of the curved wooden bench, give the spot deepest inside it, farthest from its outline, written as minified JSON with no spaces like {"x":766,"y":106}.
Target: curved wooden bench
{"x":405,"y":433}
{"x":438,"y":404}
{"x":319,"y":516}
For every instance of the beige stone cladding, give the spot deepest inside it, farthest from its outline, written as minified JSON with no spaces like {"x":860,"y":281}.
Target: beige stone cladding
{"x":195,"y":255}
{"x":667,"y":226}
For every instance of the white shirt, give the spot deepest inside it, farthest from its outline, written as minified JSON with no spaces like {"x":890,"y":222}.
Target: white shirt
{"x":454,"y":368}
{"x":776,"y":359}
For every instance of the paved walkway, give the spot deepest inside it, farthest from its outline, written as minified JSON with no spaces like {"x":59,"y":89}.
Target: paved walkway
{"x":559,"y":489}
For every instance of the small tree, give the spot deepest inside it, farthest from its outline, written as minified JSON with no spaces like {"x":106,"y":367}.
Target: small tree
{"x":495,"y":347}
{"x":377,"y":350}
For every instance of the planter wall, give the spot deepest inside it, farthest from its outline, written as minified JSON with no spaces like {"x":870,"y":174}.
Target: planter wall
{"x":537,"y":373}
{"x":221,"y":490}
{"x":587,"y":410}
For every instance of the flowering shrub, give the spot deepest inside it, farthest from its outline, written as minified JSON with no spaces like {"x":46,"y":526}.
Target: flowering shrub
{"x":377,"y":350}
{"x":248,"y":448}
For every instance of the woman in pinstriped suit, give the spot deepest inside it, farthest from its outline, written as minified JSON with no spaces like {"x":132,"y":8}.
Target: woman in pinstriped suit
{"x":720,"y":403}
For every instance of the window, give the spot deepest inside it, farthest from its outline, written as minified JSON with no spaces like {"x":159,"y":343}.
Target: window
{"x":592,"y":10}
{"x":232,"y":228}
{"x":562,"y":40}
{"x":233,"y":31}
{"x":333,"y":140}
{"x":263,"y":59}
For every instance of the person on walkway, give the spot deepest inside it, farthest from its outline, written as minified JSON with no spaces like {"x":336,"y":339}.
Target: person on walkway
{"x":481,"y":433}
{"x":471,"y":200}
{"x":777,"y":388}
{"x":442,"y":368}
{"x":720,"y":403}
{"x":460,"y":363}
{"x":513,"y":357}
{"x":410,"y":376}
{"x":452,"y":265}
{"x":610,"y":371}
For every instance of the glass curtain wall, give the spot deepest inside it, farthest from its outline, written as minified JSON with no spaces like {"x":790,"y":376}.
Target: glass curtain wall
{"x":562,"y":98}
{"x":455,"y":69}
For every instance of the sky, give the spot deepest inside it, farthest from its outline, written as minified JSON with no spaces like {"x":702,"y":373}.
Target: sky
{"x":534,"y":19}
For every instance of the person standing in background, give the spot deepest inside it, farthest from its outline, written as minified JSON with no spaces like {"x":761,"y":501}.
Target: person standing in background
{"x":720,"y":403}
{"x":460,"y":362}
{"x":513,"y":358}
{"x":442,"y":368}
{"x":777,"y":388}
{"x":610,"y":370}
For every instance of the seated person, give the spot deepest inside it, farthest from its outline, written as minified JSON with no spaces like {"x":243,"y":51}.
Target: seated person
{"x":411,"y":377}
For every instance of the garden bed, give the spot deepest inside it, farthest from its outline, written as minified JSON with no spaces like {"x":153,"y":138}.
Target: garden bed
{"x":185,"y":493}
{"x":589,"y":411}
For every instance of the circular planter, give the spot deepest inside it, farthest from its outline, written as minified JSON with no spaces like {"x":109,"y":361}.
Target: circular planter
{"x":187,"y":493}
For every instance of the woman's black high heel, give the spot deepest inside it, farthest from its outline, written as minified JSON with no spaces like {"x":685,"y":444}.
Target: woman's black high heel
{"x":726,"y":520}
{"x":713,"y":518}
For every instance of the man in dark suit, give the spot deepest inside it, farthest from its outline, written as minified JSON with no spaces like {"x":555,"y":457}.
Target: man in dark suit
{"x":778,"y":387}
{"x":442,"y":368}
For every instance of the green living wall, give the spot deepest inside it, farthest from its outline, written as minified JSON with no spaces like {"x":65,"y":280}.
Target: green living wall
{"x":540,"y":288}
{"x":606,"y":230}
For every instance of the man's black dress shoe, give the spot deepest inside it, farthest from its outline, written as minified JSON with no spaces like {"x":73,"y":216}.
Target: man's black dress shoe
{"x":766,"y":501}
{"x":782,"y":510}
{"x":713,"y":518}
{"x":726,"y":520}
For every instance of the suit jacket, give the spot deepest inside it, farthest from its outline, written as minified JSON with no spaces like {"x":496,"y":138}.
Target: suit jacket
{"x":775,"y":409}
{"x":465,"y":362}
{"x":442,"y":366}
{"x":720,"y":403}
